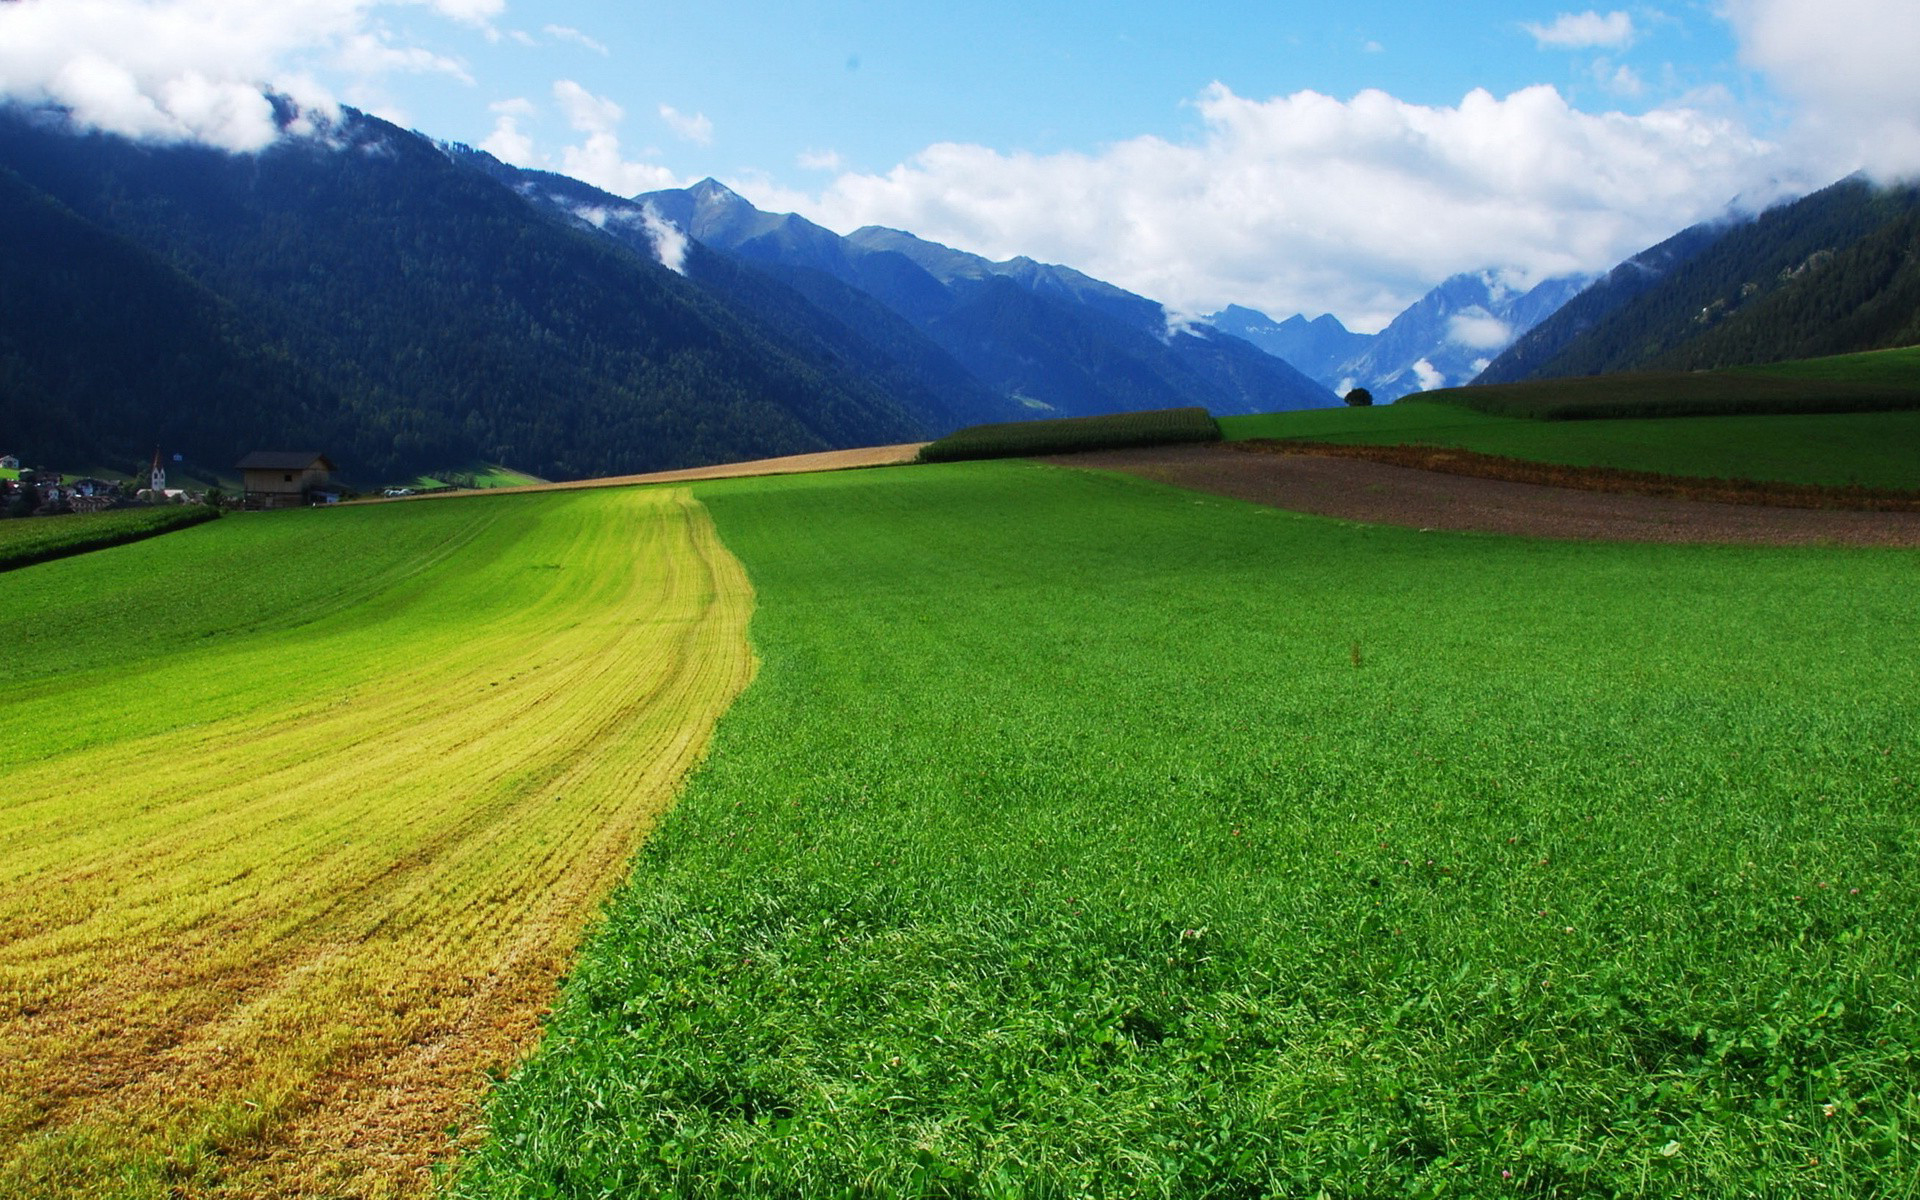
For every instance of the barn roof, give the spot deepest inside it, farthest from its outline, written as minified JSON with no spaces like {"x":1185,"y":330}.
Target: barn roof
{"x":282,"y":460}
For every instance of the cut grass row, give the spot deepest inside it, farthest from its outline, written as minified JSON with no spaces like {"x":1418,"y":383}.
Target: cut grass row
{"x":1086,"y":837}
{"x":1876,"y":450}
{"x":304,"y":812}
{"x":43,"y":539}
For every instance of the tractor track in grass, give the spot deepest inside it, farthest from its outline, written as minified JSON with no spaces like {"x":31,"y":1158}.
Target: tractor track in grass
{"x":275,"y":952}
{"x":1358,"y":490}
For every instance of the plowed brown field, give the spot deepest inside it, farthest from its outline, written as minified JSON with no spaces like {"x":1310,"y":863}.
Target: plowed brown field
{"x":1357,"y":490}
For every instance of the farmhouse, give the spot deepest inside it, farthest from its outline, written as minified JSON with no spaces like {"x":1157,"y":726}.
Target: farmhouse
{"x":282,"y":478}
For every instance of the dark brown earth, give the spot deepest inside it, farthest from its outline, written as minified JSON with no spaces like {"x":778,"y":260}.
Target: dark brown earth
{"x":1357,"y":490}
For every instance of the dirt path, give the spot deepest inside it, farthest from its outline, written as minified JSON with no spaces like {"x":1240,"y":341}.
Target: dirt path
{"x":792,"y":464}
{"x":1358,"y":490}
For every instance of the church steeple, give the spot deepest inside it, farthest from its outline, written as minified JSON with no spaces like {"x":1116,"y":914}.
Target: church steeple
{"x":159,"y":478}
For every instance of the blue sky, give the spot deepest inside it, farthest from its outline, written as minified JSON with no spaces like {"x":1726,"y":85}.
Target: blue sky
{"x":875,"y":83}
{"x":1318,"y":158}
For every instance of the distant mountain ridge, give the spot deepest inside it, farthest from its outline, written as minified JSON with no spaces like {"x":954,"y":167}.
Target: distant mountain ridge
{"x":1445,"y":338}
{"x":1053,"y":340}
{"x":372,"y":295}
{"x":1833,"y":272}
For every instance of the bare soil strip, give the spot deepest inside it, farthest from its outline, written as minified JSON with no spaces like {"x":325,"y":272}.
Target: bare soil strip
{"x":792,"y":464}
{"x":1359,"y":490}
{"x":1454,"y":461}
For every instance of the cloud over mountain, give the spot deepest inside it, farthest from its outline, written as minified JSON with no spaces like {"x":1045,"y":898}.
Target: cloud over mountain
{"x":195,"y":70}
{"x":1851,"y":63}
{"x":1310,"y":203}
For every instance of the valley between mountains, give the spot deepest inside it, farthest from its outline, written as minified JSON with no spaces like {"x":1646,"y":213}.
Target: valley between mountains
{"x":816,"y":789}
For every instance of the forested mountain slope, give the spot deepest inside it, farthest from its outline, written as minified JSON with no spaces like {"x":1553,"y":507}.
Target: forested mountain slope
{"x":1830,"y":273}
{"x":1056,"y":340}
{"x":372,"y":296}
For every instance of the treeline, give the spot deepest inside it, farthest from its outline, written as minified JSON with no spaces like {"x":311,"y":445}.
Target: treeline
{"x":1069,"y":435}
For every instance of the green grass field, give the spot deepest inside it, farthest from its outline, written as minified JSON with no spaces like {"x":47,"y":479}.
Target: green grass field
{"x":41,"y":539}
{"x":304,"y":812}
{"x":1877,"y":449}
{"x":1880,"y":380}
{"x":1896,"y":368}
{"x":475,"y":475}
{"x":1084,"y":837}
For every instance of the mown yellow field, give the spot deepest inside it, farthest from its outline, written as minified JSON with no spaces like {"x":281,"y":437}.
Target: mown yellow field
{"x":274,"y":951}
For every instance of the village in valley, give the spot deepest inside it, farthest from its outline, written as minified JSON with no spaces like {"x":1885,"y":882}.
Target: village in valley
{"x":270,"y":479}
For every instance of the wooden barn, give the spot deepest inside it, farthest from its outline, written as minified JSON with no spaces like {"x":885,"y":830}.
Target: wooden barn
{"x":283,"y":478}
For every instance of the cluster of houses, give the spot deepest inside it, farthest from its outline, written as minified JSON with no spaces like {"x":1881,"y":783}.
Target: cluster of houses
{"x":271,"y":479}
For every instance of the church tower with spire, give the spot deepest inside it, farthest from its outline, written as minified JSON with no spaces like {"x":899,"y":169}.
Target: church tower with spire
{"x":159,"y":476}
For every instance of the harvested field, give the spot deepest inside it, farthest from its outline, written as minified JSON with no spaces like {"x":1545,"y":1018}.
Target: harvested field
{"x":1378,"y":493}
{"x":276,"y":950}
{"x":792,"y":464}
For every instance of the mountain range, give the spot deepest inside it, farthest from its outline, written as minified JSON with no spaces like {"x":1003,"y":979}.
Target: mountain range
{"x":1055,"y":341}
{"x":1443,"y":339}
{"x":406,"y":306}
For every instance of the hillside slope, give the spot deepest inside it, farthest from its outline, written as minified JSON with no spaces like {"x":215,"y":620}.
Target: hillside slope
{"x":409,"y":312}
{"x":1060,"y":342}
{"x":1830,"y":273}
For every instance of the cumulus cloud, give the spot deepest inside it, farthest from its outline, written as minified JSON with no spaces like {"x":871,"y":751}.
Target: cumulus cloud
{"x":585,"y":111}
{"x":599,"y":160}
{"x":1851,"y":65}
{"x":1307,"y":203}
{"x":695,"y":128}
{"x":195,"y":70}
{"x":1428,"y":375}
{"x":1584,"y":31}
{"x":507,"y":142}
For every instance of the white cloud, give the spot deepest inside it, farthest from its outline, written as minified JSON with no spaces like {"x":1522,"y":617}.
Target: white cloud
{"x":567,"y":33}
{"x":585,"y":111}
{"x":1477,"y":329}
{"x":1306,"y":203}
{"x":194,"y":69}
{"x":695,"y":128}
{"x":1621,"y":80}
{"x":819,"y":160}
{"x":669,"y":243}
{"x":1584,"y":31}
{"x":367,"y":54}
{"x":1852,"y":65}
{"x":1429,"y":376}
{"x":598,"y":160}
{"x":507,"y":142}
{"x":472,"y":12}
